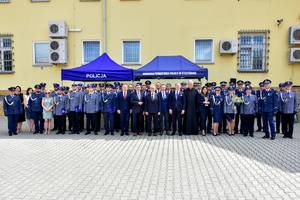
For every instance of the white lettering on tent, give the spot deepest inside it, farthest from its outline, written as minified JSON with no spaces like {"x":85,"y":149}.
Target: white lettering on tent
{"x":168,"y":73}
{"x":95,"y":76}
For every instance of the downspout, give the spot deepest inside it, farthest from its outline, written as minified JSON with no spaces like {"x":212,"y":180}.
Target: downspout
{"x":104,"y":27}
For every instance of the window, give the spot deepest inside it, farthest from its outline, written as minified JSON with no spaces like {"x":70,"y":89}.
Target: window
{"x":39,"y":0}
{"x":6,"y":61}
{"x":41,"y":53}
{"x":253,"y":51}
{"x":4,"y":1}
{"x":131,"y":54}
{"x":90,"y":50}
{"x":204,"y":51}
{"x":89,"y":0}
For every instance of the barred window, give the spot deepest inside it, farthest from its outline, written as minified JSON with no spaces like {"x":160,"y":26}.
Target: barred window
{"x":131,"y":52}
{"x":6,"y":54}
{"x":253,"y":50}
{"x":90,"y":50}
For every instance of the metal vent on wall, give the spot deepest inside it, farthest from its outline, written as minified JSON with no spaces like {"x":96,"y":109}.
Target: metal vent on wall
{"x":54,"y":45}
{"x":226,"y":46}
{"x":53,"y":28}
{"x":54,"y":56}
{"x":296,"y":54}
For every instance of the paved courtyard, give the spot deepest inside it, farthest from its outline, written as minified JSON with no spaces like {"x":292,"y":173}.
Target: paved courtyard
{"x":163,"y":167}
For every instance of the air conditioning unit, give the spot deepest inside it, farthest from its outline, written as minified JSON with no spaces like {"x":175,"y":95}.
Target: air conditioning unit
{"x":58,"y":51}
{"x":58,"y":29}
{"x":294,"y":55}
{"x":228,"y":46}
{"x":294,"y":35}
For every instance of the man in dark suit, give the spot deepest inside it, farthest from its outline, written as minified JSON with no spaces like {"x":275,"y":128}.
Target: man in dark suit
{"x":124,"y":109}
{"x":144,"y":118}
{"x":152,"y":109}
{"x":177,"y":103}
{"x":137,"y":100}
{"x":164,"y":110}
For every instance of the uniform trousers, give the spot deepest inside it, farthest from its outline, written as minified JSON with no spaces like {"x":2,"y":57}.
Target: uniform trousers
{"x":38,"y":121}
{"x":155,"y":122}
{"x":288,"y":120}
{"x":93,"y":117}
{"x":177,"y":119}
{"x":249,"y":124}
{"x":137,"y":122}
{"x":12,"y":123}
{"x":109,"y":127}
{"x":164,"y":116}
{"x":75,"y":121}
{"x":61,"y":123}
{"x":124,"y":120}
{"x":268,"y":117}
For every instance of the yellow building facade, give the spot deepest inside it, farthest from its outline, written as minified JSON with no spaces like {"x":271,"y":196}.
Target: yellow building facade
{"x":160,"y":27}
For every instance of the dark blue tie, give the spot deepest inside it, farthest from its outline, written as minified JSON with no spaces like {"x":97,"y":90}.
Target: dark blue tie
{"x":177,"y":95}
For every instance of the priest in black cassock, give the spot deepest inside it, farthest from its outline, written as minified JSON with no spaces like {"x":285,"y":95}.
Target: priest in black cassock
{"x":190,"y":120}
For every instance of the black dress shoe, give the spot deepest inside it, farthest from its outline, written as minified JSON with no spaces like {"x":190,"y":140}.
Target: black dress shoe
{"x":112,"y":133}
{"x":245,"y":135}
{"x":15,"y":133}
{"x":272,"y":138}
{"x":117,"y":130}
{"x":277,"y":131}
{"x":180,"y":134}
{"x":63,"y":133}
{"x":78,"y":133}
{"x":258,"y":130}
{"x":96,"y":133}
{"x":41,"y":132}
{"x":149,"y":134}
{"x":122,"y":134}
{"x":71,"y":133}
{"x":87,"y":133}
{"x":126,"y":133}
{"x":291,"y":137}
{"x":35,"y":132}
{"x":106,"y":133}
{"x":58,"y":133}
{"x":172,"y":134}
{"x":81,"y":130}
{"x":251,"y":135}
{"x":285,"y":136}
{"x":266,"y":136}
{"x":10,"y":134}
{"x":229,"y":134}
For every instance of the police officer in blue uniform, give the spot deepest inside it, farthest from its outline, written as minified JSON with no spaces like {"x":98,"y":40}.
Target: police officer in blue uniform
{"x":212,"y":89}
{"x":239,"y":92}
{"x":101,"y":91}
{"x":117,"y":115}
{"x":248,"y":110}
{"x":248,"y":83}
{"x":232,"y":84}
{"x":223,"y":93}
{"x":269,"y":108}
{"x":109,"y":108}
{"x":82,"y":92}
{"x":183,"y":86}
{"x":230,"y":110}
{"x":43,"y":87}
{"x":35,"y":106}
{"x":54,"y":94}
{"x":12,"y":107}
{"x":60,"y":105}
{"x":216,"y":108}
{"x":65,"y":93}
{"x":91,"y":107}
{"x":258,"y":96}
{"x":279,"y":114}
{"x":75,"y":106}
{"x":288,"y":105}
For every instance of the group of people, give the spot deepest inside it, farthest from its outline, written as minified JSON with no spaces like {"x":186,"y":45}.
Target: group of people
{"x":187,"y":109}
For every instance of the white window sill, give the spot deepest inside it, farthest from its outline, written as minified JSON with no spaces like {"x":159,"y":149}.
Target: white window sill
{"x":41,"y":65}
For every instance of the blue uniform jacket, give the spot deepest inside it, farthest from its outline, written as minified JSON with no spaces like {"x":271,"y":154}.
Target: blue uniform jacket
{"x":179,"y":103}
{"x":269,"y":101}
{"x":91,"y":103}
{"x":250,"y":105}
{"x":35,"y":102}
{"x":12,"y":105}
{"x":228,"y":104}
{"x":288,"y":102}
{"x":153,"y":106}
{"x":123,"y":104}
{"x":74,"y":100}
{"x":109,"y":100}
{"x":164,"y":101}
{"x":60,"y":105}
{"x":136,"y":108}
{"x":216,"y":104}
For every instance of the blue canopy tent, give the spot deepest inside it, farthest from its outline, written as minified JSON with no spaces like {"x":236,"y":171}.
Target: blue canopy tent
{"x":170,"y":67}
{"x":101,"y":69}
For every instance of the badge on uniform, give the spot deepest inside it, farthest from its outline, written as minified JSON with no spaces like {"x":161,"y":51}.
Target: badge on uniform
{"x":111,"y":109}
{"x":63,"y":111}
{"x":76,"y":108}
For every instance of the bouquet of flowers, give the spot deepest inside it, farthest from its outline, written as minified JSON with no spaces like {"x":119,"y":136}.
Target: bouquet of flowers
{"x":237,"y":100}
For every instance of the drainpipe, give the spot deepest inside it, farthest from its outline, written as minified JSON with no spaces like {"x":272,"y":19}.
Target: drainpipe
{"x":104,"y":27}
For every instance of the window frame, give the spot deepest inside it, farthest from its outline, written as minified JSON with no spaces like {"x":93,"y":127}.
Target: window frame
{"x":212,"y":51}
{"x":34,"y":1}
{"x":82,"y":49}
{"x":140,"y":53}
{"x":33,"y":53}
{"x":4,"y":1}
{"x":2,"y":55}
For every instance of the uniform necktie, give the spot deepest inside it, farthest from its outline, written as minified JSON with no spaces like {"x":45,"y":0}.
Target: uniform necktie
{"x":90,"y":96}
{"x":152,"y":96}
{"x":124,"y":95}
{"x":164,"y":95}
{"x":176,"y":94}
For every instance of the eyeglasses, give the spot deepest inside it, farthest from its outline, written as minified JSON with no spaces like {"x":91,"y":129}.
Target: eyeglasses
{"x":47,"y":93}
